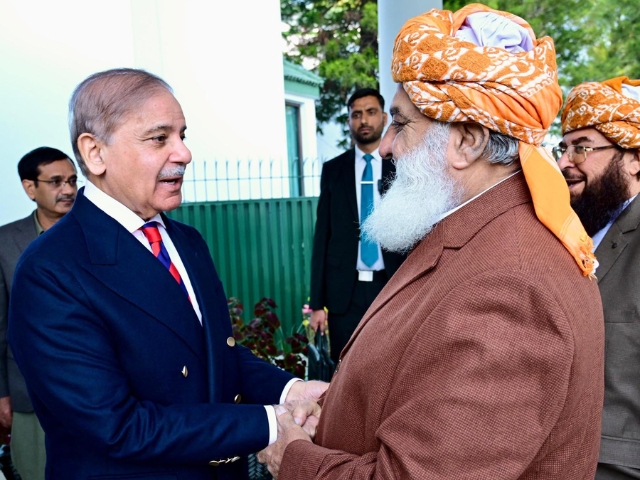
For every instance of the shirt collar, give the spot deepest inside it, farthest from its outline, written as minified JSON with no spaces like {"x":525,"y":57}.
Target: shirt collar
{"x":446,"y":214}
{"x":360,"y":155}
{"x":599,"y":236}
{"x":116,"y":210}
{"x":39,"y":229}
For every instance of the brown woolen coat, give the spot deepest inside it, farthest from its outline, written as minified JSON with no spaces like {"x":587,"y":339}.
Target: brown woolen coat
{"x":481,"y":359}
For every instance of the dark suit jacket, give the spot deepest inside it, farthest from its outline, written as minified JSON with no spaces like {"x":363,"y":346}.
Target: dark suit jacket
{"x":619,"y":282}
{"x":490,"y":364}
{"x":14,"y":239}
{"x":337,"y":233}
{"x":124,"y":379}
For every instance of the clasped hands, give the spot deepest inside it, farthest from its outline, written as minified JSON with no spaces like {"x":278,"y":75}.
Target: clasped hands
{"x":297,"y":418}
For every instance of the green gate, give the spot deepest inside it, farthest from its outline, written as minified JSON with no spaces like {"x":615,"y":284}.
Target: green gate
{"x":261,"y":248}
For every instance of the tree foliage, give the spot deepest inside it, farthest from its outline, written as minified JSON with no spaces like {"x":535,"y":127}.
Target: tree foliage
{"x":595,"y":40}
{"x":342,"y":38}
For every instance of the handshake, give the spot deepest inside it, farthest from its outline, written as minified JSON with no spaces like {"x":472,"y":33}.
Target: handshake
{"x":297,"y":419}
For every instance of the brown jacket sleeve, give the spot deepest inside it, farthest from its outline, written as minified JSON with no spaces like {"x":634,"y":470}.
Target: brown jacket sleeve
{"x":479,"y":401}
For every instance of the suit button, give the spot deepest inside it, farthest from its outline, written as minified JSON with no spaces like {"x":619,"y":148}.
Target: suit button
{"x":237,"y":398}
{"x":213,"y":463}
{"x":185,"y":371}
{"x":231,"y":342}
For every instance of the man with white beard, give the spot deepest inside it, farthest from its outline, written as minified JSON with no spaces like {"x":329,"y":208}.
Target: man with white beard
{"x":406,"y":215}
{"x":482,"y":358}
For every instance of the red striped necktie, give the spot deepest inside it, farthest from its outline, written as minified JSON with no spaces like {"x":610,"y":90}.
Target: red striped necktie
{"x":152,"y":233}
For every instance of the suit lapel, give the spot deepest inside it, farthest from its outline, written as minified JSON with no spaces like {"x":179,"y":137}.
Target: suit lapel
{"x":203,"y":281}
{"x":349,"y":183}
{"x":453,"y":232}
{"x":123,"y":265}
{"x":614,"y":242}
{"x":420,"y":262}
{"x":26,"y":233}
{"x":606,"y":254}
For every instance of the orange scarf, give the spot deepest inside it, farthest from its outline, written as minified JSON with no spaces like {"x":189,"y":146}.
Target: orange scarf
{"x":516,"y":94}
{"x":604,"y":106}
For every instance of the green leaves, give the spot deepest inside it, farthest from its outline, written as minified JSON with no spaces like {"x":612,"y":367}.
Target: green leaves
{"x":264,"y":336}
{"x":341,"y":38}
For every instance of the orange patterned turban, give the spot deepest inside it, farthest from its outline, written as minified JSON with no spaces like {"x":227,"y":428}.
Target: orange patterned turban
{"x":609,"y":107}
{"x":513,"y":91}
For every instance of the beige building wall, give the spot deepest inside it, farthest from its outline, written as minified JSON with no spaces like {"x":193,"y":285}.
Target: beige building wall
{"x":223,"y":59}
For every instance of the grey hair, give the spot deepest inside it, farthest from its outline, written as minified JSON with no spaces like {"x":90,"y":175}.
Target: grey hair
{"x":99,"y":104}
{"x":501,"y":149}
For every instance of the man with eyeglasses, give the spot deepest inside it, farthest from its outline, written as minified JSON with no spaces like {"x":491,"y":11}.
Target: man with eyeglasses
{"x":600,"y":158}
{"x":49,"y":178}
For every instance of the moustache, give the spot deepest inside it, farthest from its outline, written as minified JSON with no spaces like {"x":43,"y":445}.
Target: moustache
{"x":61,"y":198}
{"x":172,"y":172}
{"x":568,"y":176}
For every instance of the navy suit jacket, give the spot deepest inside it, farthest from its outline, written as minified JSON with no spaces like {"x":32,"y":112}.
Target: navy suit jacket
{"x":104,"y":336}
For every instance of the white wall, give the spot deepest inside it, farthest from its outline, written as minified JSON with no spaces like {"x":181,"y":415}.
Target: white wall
{"x":226,"y":73}
{"x":328,"y":141}
{"x":392,"y":15}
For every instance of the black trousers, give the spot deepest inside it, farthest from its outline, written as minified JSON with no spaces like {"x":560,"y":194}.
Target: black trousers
{"x":341,"y":327}
{"x":607,"y":471}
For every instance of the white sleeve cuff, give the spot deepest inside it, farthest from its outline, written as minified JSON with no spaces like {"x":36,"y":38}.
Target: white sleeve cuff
{"x":287,"y":387}
{"x":271,"y":412}
{"x":273,"y":423}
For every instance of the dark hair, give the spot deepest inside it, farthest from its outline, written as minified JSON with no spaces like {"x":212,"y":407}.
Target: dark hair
{"x":366,"y":92}
{"x":29,"y":165}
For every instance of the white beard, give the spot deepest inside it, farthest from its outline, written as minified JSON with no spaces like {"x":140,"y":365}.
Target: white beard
{"x":420,"y":193}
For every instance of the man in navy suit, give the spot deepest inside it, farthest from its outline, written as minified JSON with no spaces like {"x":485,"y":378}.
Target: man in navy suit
{"x":119,"y":321}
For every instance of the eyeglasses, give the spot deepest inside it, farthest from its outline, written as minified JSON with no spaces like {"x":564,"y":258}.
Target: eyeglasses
{"x":60,"y":183}
{"x":577,"y":153}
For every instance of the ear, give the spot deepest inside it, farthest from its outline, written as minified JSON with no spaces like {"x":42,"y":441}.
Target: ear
{"x":633,"y":165}
{"x":29,"y":188}
{"x":90,"y":150}
{"x":467,"y":142}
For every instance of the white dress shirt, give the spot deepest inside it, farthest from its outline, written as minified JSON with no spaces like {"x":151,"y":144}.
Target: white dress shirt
{"x":446,"y":214}
{"x":132,"y":223}
{"x":361,"y":164}
{"x":597,"y":238}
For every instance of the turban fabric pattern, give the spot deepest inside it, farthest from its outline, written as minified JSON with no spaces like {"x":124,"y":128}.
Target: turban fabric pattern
{"x":609,"y":107}
{"x":506,"y":88}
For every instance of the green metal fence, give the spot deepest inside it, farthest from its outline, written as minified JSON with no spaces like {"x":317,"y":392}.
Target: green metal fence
{"x":261,"y":248}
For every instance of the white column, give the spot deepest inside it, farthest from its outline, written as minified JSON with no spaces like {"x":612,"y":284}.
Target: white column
{"x":392,"y":15}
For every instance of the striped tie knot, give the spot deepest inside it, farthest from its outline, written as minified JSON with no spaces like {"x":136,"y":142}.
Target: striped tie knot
{"x":151,"y":232}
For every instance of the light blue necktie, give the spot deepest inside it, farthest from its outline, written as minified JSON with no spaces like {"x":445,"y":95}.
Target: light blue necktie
{"x":368,"y":249}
